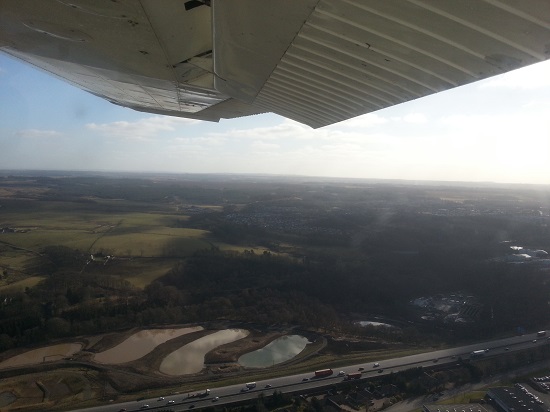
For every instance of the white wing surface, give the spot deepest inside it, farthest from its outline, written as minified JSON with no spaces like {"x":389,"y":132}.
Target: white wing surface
{"x":315,"y":61}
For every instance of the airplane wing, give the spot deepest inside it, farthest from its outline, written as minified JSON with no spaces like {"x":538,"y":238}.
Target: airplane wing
{"x":315,"y":61}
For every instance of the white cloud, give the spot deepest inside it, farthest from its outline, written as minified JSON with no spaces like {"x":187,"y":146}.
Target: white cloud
{"x":365,"y":121}
{"x":416,"y":118}
{"x":529,"y":78}
{"x":203,"y":141}
{"x":286,"y":129}
{"x":409,"y":118}
{"x":294,"y":133}
{"x":265,"y":147}
{"x":142,"y":129}
{"x":511,"y":127}
{"x":340,"y":149}
{"x":37,"y":134}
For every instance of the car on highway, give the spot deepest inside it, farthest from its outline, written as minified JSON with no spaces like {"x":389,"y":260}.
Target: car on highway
{"x":534,"y":341}
{"x":341,"y":373}
{"x":268,"y":386}
{"x":191,"y":406}
{"x":380,"y":370}
{"x":144,"y":406}
{"x":170,"y":402}
{"x":361,"y":368}
{"x":216,"y":399}
{"x":161,"y":398}
{"x":376,"y":365}
{"x":305,"y":379}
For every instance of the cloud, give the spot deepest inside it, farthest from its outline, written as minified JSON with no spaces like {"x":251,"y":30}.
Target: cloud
{"x":265,"y":147}
{"x":295,"y":133}
{"x":286,"y":129}
{"x":38,"y":134}
{"x":364,"y":121}
{"x":204,"y":141}
{"x":142,"y":129}
{"x":510,"y":127}
{"x":528,"y":78}
{"x":416,"y":118}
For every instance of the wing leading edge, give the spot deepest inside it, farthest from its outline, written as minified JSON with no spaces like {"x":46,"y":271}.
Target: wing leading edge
{"x":315,"y":61}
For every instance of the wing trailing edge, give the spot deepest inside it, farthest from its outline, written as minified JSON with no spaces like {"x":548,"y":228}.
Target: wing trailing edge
{"x":315,"y":61}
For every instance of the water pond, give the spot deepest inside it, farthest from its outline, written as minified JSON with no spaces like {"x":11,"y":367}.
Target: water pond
{"x":280,"y":350}
{"x":45,"y":354}
{"x":375,"y":324}
{"x":190,"y":358}
{"x":140,"y":344}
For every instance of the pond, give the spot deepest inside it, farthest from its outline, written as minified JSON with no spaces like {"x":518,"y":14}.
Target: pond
{"x":45,"y":354}
{"x":280,"y":350}
{"x":375,"y":324}
{"x":190,"y":358}
{"x":140,"y":344}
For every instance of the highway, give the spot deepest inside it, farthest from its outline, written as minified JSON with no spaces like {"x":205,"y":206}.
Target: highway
{"x":307,"y":381}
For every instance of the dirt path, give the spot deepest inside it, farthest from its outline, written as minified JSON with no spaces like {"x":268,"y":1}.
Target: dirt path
{"x":111,"y":228}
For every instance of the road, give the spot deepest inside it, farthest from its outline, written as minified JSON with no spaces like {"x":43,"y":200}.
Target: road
{"x":412,"y":404}
{"x":307,"y":381}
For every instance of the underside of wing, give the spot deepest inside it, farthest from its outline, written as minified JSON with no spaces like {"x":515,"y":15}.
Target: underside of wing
{"x":315,"y":61}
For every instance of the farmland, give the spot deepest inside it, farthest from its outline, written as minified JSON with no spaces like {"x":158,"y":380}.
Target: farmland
{"x":34,"y":224}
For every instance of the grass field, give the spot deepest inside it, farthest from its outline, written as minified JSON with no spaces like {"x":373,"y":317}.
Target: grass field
{"x":15,"y":265}
{"x":20,"y":285}
{"x":139,"y":272}
{"x":131,"y":234}
{"x":151,"y":244}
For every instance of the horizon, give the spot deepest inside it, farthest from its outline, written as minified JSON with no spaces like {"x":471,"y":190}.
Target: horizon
{"x":4,"y":173}
{"x":495,"y":130}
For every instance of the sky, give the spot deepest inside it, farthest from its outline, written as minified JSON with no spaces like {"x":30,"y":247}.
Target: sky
{"x":495,"y":130}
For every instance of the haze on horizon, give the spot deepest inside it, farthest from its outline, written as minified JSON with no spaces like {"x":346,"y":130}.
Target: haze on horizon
{"x":496,"y":130}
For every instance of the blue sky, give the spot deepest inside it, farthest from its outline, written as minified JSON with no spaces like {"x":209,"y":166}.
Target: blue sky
{"x":496,"y":130}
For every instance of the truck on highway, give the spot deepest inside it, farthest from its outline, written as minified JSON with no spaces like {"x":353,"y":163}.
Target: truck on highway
{"x":354,"y":375}
{"x":251,"y":385}
{"x":323,"y":372}
{"x":199,"y":394}
{"x":541,"y":333}
{"x":477,"y":353}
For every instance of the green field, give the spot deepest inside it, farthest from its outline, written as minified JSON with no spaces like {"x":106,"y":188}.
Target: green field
{"x":123,"y":235}
{"x":20,"y":285}
{"x":131,"y":234}
{"x":138,"y":271}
